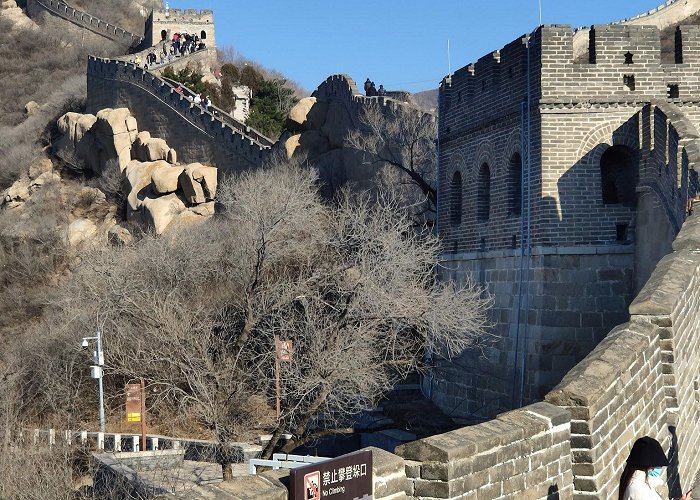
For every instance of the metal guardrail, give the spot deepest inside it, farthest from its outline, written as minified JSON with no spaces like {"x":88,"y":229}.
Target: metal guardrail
{"x":284,"y":461}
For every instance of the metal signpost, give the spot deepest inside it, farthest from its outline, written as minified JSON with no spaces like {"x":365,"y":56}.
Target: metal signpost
{"x":283,"y":352}
{"x":344,"y":478}
{"x":136,"y":407}
{"x":96,"y":371}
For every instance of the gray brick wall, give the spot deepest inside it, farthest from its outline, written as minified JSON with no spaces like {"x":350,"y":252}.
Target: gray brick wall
{"x":195,"y":134}
{"x":589,"y":257}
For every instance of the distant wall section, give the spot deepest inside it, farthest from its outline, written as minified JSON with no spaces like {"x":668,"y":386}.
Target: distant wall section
{"x":197,"y":135}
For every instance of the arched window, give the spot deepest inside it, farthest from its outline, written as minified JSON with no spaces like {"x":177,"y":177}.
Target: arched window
{"x":456,"y":199}
{"x":515,"y":184}
{"x":203,"y":35}
{"x":163,"y":35}
{"x":483,"y":195}
{"x":619,"y":174}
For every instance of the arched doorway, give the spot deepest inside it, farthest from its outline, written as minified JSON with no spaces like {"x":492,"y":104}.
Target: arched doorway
{"x":619,"y":175}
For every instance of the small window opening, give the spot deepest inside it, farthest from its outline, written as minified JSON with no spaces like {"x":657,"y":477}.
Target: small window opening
{"x":483,"y":85}
{"x":448,"y":130}
{"x":629,"y":58}
{"x":673,"y":91}
{"x":483,"y":244}
{"x":510,"y":72}
{"x":456,"y":199}
{"x":163,"y":35}
{"x":203,"y":35}
{"x":514,"y":241}
{"x":459,"y":96}
{"x":622,"y":231}
{"x":629,"y":82}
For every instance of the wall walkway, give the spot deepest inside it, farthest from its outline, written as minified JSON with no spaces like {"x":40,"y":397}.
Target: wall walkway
{"x":83,"y":20}
{"x":195,"y":133}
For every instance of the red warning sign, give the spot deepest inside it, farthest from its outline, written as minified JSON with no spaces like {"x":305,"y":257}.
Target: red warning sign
{"x":311,"y":486}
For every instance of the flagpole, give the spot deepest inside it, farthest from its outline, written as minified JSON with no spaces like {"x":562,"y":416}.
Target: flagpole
{"x":540,"y":4}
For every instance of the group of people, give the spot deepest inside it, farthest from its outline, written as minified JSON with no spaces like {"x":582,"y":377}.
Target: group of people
{"x":372,"y":91}
{"x":205,"y":102}
{"x":182,"y":44}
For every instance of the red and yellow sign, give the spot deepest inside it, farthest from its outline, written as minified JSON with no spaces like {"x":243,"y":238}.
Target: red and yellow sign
{"x":133,"y":403}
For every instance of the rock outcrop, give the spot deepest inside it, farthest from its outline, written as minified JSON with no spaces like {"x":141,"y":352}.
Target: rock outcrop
{"x":158,"y":190}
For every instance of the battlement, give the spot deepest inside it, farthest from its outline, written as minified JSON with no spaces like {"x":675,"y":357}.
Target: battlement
{"x":183,"y":16}
{"x":342,"y":88}
{"x":163,"y":24}
{"x":83,"y":20}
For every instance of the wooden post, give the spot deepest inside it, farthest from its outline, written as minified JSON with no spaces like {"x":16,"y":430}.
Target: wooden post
{"x":143,"y":415}
{"x":277,"y":377}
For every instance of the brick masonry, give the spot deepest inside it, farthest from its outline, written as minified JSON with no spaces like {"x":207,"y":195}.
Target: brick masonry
{"x":563,"y":288}
{"x":196,"y":135}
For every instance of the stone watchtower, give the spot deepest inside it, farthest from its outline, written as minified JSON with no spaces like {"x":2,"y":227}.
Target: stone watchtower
{"x":566,"y":166}
{"x":163,"y":23}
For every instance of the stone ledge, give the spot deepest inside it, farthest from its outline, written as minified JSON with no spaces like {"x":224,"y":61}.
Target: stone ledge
{"x":689,"y":237}
{"x":667,"y":284}
{"x":541,"y":250}
{"x":589,"y":384}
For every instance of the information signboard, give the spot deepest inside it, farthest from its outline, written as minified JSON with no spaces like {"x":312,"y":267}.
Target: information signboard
{"x":133,"y":403}
{"x":344,"y":478}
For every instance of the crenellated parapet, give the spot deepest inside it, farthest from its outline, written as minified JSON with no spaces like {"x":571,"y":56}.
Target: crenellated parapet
{"x":113,"y":83}
{"x":83,"y":20}
{"x":343,"y":89}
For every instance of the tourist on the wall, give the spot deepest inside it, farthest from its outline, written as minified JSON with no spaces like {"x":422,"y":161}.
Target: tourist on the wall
{"x":642,"y":474}
{"x":382,"y":91}
{"x":368,"y":84}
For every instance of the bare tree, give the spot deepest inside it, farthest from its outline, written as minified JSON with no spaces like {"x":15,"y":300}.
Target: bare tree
{"x":196,"y":314}
{"x":403,"y":138}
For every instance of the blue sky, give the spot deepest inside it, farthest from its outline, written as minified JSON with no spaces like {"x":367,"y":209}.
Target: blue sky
{"x":400,"y":43}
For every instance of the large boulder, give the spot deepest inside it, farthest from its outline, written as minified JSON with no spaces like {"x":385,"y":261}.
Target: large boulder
{"x":138,"y":177}
{"x":198,"y":183}
{"x":76,"y":125}
{"x":119,"y":236}
{"x":165,"y":180}
{"x":31,"y":107}
{"x":40,"y":166}
{"x":17,"y":193}
{"x":307,"y":114}
{"x":291,"y":145}
{"x":338,"y":123}
{"x":313,"y":143}
{"x":79,"y":231}
{"x":116,"y":131}
{"x":160,"y":211}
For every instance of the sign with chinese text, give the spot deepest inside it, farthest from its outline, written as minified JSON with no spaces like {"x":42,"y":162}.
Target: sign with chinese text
{"x":284,"y":349}
{"x":344,"y":478}
{"x":133,"y":403}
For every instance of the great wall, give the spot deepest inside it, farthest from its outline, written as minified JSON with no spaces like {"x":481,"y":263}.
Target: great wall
{"x":83,"y":20}
{"x":614,"y":291}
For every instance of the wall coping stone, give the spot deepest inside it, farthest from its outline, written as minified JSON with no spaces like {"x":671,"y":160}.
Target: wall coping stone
{"x":672,"y":276}
{"x":466,"y":442}
{"x":588,"y":383}
{"x":689,"y":238}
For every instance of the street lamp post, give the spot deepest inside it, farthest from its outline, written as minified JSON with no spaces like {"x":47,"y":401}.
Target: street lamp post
{"x":96,"y":371}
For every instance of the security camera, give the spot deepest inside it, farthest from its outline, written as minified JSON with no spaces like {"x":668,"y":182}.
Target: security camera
{"x":84,"y":344}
